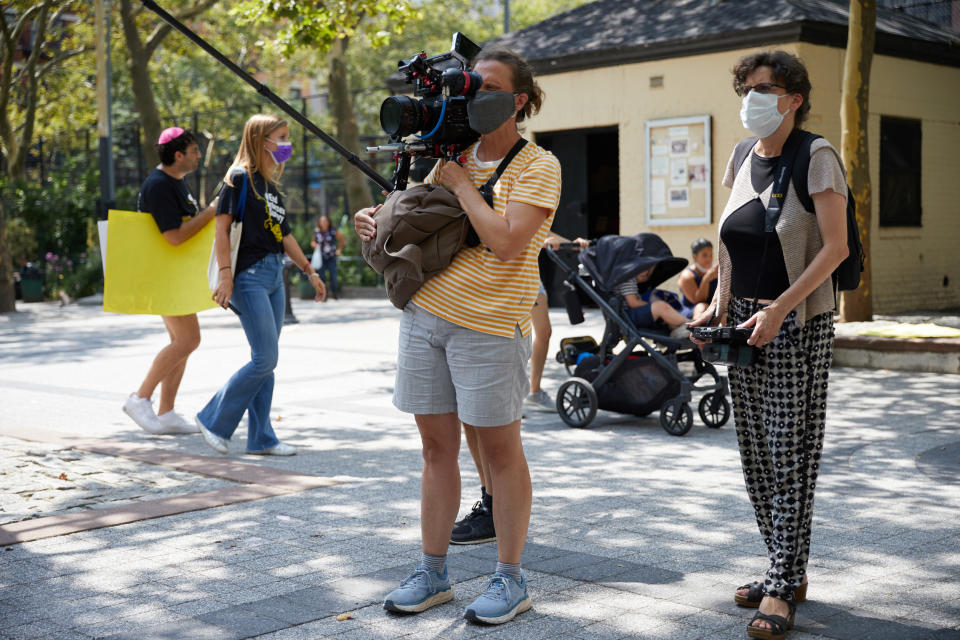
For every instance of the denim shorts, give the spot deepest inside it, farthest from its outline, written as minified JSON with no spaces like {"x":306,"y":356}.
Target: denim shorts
{"x":445,"y":368}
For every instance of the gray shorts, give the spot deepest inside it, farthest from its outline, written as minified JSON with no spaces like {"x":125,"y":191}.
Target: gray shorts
{"x":445,"y":368}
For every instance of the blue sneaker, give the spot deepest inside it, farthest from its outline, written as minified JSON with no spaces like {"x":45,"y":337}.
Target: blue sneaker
{"x":419,"y":591}
{"x":502,"y":600}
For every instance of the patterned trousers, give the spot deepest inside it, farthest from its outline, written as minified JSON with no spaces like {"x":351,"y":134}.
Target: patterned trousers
{"x":779,"y":408}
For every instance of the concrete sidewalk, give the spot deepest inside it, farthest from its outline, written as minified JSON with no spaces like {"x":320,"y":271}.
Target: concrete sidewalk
{"x":634,"y":533}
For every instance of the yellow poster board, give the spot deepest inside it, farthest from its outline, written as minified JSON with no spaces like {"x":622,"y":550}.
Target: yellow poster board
{"x":146,"y":274}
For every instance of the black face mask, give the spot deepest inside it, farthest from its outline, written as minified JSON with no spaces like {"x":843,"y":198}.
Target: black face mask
{"x":490,"y":109}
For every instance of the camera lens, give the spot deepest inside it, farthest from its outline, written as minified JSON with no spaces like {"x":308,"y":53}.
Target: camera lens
{"x":401,"y":115}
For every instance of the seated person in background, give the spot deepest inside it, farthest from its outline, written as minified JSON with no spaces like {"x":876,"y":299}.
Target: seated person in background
{"x":698,"y":281}
{"x":647,"y":315}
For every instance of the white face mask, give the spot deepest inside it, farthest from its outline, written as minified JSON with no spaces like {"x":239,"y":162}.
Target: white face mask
{"x":759,"y":113}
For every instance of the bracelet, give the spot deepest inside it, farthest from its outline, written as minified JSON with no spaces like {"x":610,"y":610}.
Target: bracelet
{"x":222,"y":268}
{"x":310,"y":275}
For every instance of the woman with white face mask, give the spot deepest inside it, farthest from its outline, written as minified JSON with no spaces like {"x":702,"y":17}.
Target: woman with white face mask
{"x":779,"y":402}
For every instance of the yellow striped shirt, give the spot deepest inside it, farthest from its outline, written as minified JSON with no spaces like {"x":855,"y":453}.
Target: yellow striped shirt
{"x":478,"y":290}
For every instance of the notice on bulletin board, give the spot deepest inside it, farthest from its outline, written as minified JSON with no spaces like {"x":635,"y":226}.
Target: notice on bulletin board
{"x":678,"y":171}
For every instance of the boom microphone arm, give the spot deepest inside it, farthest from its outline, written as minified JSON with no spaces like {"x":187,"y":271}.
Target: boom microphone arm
{"x":265,"y":91}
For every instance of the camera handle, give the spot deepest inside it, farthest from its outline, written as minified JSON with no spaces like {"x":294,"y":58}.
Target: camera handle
{"x":265,"y":91}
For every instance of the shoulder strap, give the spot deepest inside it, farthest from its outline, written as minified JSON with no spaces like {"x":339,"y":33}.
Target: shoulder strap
{"x":801,"y":170}
{"x":487,"y":189}
{"x":781,"y":180}
{"x":242,"y":203}
{"x":740,"y":153}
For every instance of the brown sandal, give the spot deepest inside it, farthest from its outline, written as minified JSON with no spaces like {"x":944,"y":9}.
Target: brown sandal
{"x":779,"y":625}
{"x":755,"y":595}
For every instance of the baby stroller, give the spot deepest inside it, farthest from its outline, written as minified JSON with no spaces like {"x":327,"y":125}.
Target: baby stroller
{"x":645,"y":375}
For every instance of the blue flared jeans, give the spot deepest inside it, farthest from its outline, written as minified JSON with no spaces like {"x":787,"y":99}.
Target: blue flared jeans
{"x":259,"y":296}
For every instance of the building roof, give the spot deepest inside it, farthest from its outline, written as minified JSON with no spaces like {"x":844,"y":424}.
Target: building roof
{"x":611,"y":32}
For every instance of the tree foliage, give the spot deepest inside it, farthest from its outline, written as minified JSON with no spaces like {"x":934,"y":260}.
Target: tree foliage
{"x":35,"y":47}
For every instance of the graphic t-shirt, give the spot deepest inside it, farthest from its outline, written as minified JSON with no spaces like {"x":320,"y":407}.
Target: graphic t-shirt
{"x":167,"y":199}
{"x":264,"y":218}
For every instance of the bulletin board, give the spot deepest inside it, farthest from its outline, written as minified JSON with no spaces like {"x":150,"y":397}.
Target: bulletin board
{"x":679,"y":185}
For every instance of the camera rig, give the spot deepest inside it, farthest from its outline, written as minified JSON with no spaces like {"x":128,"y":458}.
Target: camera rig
{"x":434,"y":122}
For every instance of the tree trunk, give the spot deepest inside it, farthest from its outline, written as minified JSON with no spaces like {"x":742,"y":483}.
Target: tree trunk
{"x":143,"y":98}
{"x":857,"y":306}
{"x":355,"y":184}
{"x":7,"y":295}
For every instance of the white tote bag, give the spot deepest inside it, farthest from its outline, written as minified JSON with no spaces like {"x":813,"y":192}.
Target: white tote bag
{"x":316,"y":261}
{"x":236,"y":228}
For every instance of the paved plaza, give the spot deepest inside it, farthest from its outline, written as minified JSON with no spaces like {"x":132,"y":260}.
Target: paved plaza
{"x":109,"y":532}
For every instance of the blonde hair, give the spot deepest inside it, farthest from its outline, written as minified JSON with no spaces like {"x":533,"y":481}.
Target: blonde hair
{"x":257,"y":129}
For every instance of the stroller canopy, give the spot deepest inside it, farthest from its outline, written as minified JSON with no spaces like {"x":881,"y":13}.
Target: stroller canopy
{"x":616,"y":259}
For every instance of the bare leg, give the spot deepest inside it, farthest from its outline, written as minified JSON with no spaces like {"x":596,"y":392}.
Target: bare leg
{"x":503,"y":451}
{"x":440,"y":483}
{"x":663,"y":311}
{"x":470,"y":433}
{"x":170,"y":363}
{"x":541,"y":340}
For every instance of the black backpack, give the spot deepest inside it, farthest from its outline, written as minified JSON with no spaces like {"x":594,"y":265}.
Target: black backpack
{"x":846,"y":277}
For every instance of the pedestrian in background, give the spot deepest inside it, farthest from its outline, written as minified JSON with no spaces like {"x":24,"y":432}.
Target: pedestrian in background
{"x":698,"y":282}
{"x":330,"y":242}
{"x":165,"y":196}
{"x":256,"y":287}
{"x":779,"y":402}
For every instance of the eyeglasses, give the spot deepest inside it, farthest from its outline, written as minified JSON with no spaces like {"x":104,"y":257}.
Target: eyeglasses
{"x":763,"y":87}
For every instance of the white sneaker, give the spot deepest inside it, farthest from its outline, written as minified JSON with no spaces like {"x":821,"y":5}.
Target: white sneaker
{"x":140,"y":411}
{"x":174,"y":423}
{"x":281,"y":449}
{"x":540,"y":401}
{"x":215,"y":442}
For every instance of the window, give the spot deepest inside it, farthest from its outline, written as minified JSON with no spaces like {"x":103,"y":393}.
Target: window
{"x":900,"y":141}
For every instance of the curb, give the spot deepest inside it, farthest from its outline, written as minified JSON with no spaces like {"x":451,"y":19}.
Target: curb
{"x":930,"y":355}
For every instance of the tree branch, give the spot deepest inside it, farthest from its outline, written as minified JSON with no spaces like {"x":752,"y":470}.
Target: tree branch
{"x":61,"y":57}
{"x":162,"y":29}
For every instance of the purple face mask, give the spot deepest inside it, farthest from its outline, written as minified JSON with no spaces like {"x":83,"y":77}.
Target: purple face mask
{"x":283,"y":152}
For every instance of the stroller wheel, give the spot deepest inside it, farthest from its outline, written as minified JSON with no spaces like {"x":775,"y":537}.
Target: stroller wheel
{"x":676,"y":418}
{"x":577,"y":402}
{"x":714,"y":409}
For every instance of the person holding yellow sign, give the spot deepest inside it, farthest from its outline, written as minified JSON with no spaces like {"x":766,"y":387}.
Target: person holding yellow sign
{"x":253,"y":283}
{"x":165,"y":195}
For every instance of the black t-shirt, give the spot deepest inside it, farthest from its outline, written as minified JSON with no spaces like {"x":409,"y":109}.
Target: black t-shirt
{"x":264,"y":218}
{"x":167,"y":199}
{"x":743,"y":235}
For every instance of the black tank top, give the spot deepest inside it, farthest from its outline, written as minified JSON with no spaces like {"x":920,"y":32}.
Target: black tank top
{"x":743,"y":235}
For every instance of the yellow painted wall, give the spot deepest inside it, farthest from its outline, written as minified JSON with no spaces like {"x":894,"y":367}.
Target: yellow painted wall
{"x":909,"y":265}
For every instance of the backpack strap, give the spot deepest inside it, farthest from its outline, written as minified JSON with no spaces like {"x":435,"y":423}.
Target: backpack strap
{"x":801,"y":170}
{"x":741,"y":151}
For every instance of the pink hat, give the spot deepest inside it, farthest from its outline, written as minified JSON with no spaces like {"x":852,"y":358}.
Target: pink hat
{"x":169,"y":134}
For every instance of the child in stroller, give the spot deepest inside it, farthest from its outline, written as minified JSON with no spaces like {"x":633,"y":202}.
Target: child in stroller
{"x":645,"y":374}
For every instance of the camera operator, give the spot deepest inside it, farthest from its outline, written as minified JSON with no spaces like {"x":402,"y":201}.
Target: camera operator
{"x":465,"y":340}
{"x":165,"y":195}
{"x":779,"y":402}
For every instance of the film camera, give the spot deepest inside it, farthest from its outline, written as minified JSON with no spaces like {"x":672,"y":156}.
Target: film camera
{"x":436,"y":115}
{"x":726,"y":345}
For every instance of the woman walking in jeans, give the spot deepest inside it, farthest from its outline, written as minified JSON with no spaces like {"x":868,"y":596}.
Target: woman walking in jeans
{"x":255,"y":285}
